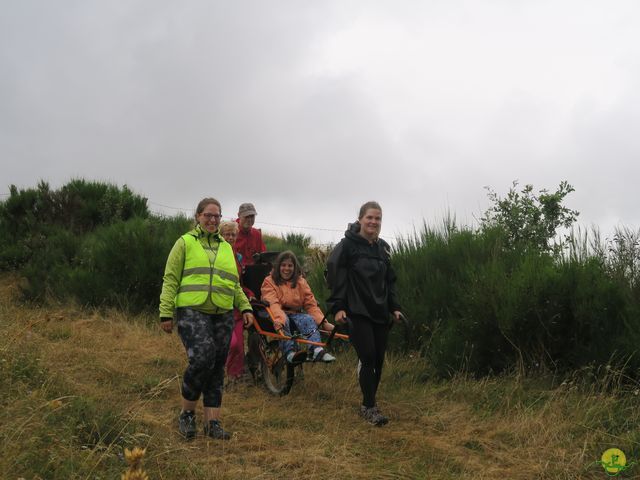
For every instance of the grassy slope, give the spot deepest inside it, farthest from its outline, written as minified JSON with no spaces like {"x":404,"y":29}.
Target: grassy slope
{"x":79,"y":387}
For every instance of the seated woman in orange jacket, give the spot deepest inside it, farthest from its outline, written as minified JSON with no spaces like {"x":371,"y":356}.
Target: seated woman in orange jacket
{"x":291,"y":300}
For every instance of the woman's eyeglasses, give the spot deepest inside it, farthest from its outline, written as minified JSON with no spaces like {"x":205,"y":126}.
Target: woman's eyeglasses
{"x":209,"y":216}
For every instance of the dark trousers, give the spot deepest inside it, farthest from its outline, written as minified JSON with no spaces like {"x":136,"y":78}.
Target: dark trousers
{"x":370,"y":342}
{"x":206,"y":339}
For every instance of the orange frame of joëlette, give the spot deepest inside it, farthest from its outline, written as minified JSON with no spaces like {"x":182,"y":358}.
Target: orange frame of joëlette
{"x":278,"y":336}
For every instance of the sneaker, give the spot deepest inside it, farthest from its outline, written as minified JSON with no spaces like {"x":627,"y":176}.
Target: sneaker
{"x":187,"y":424}
{"x":373,"y":416}
{"x":320,"y":355}
{"x":215,"y":430}
{"x":296,"y":357}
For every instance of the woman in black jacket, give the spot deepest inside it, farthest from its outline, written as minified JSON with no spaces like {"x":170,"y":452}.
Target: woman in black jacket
{"x":362,"y":285}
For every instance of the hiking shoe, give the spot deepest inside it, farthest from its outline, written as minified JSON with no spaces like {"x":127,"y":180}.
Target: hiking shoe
{"x":373,"y":416}
{"x":215,"y":430}
{"x":320,"y":355}
{"x":187,"y":424}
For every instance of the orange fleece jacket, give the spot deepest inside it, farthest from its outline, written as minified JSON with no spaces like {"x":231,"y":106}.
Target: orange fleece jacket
{"x":284,"y":297}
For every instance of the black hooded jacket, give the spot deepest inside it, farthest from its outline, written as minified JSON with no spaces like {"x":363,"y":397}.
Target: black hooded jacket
{"x":360,"y":277}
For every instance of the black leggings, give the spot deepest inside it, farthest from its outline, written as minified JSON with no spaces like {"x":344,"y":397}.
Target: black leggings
{"x":206,"y":339}
{"x":370,"y":342}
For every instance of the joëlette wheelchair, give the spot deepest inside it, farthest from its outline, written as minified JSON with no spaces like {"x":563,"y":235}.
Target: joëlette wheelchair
{"x":264,"y":357}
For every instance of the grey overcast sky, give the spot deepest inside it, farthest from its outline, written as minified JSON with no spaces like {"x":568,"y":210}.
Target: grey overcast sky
{"x":310,"y":108}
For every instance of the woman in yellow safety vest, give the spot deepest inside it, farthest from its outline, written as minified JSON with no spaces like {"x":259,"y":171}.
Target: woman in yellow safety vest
{"x":200,"y":289}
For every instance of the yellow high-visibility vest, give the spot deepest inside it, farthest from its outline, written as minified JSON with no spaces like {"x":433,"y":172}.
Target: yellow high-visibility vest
{"x":200,"y":278}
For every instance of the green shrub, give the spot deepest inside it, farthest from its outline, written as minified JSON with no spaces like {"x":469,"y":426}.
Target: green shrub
{"x":122,"y":264}
{"x":481,"y":308}
{"x":486,"y":300}
{"x":529,"y":220}
{"x":315,"y":277}
{"x":83,"y":206}
{"x":21,"y":215}
{"x":295,"y":242}
{"x":299,"y":240}
{"x":52,"y":254}
{"x":29,"y":217}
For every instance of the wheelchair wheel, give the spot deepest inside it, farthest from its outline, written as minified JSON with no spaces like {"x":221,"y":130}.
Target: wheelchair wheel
{"x":277,"y":373}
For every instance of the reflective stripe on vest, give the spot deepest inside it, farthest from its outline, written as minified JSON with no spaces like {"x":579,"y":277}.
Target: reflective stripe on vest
{"x":208,"y":270}
{"x":200,"y":280}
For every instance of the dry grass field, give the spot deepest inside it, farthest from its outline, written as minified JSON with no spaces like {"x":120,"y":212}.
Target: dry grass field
{"x":79,"y":387}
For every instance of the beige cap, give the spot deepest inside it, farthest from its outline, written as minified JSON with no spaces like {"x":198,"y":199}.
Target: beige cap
{"x":247,"y":209}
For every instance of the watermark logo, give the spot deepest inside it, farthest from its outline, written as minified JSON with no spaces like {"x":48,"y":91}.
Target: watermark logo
{"x":614,"y":462}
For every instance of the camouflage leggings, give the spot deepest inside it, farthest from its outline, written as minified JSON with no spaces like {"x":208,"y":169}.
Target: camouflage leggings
{"x":206,"y":338}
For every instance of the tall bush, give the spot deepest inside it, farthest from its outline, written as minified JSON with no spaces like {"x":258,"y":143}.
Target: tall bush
{"x":28,"y":216}
{"x":122,"y":264}
{"x":296,"y":242}
{"x":530,"y":220}
{"x":481,"y":308}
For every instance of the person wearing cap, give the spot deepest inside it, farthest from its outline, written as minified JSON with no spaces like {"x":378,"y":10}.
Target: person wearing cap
{"x":200,"y":289}
{"x":249,"y":241}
